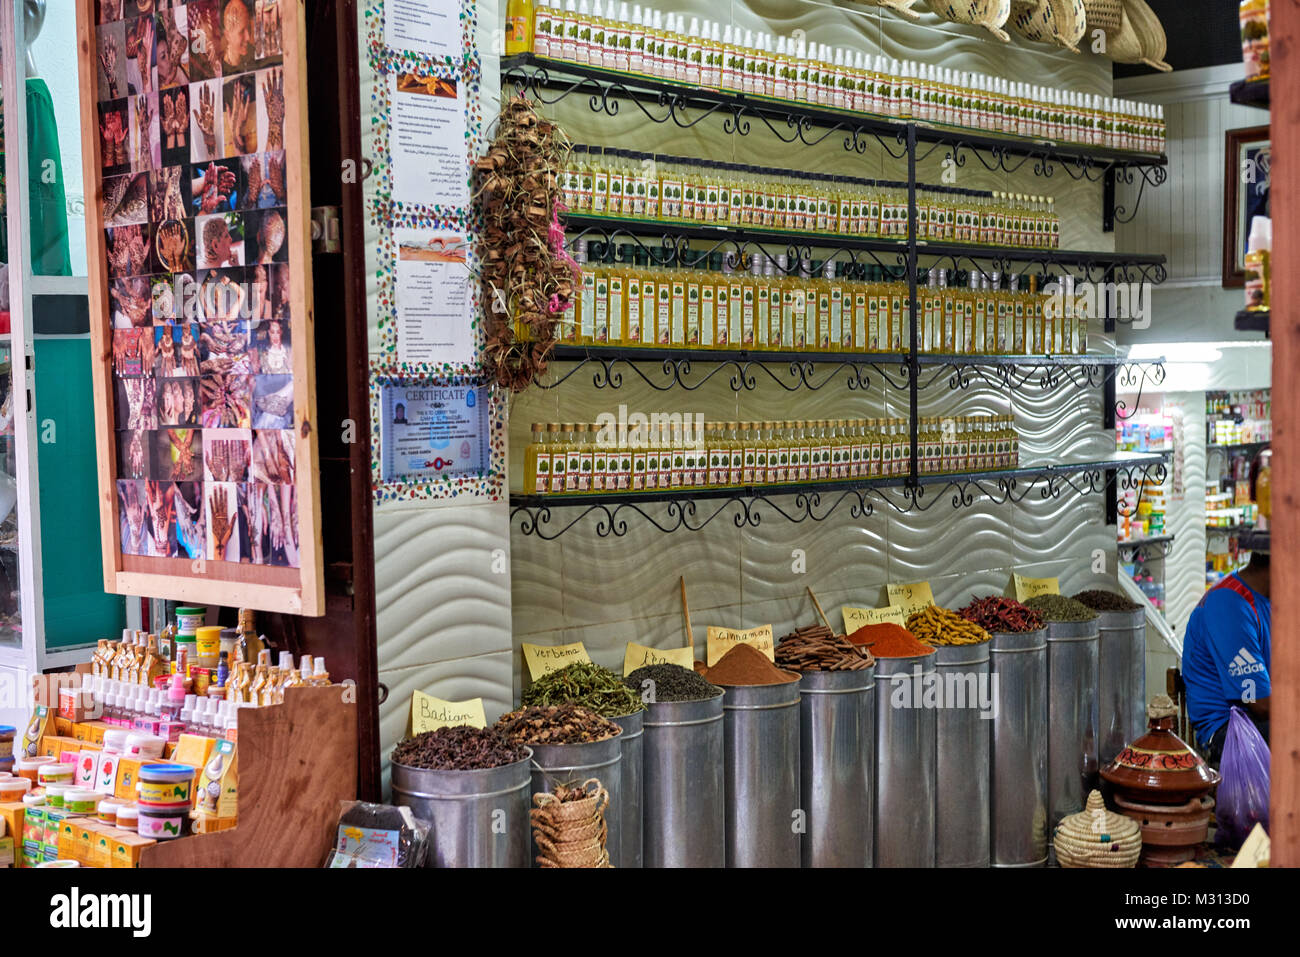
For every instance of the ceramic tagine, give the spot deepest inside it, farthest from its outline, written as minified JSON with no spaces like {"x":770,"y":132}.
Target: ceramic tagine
{"x":1159,"y":767}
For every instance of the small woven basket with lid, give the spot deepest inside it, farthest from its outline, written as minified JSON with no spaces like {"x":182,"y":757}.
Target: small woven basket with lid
{"x":1096,"y":837}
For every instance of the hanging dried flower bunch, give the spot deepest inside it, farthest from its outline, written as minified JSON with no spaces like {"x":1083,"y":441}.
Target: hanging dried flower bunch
{"x":528,"y":276}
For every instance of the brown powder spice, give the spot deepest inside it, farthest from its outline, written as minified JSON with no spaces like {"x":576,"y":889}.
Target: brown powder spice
{"x":746,"y":665}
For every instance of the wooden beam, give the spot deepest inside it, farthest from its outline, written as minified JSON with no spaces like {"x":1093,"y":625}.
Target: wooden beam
{"x":1284,"y":816}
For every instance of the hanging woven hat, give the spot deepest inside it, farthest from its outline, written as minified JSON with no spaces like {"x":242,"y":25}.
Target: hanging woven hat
{"x":1140,"y":37}
{"x":1061,"y":22}
{"x":1096,"y":837}
{"x":989,"y":14}
{"x":1103,"y":15}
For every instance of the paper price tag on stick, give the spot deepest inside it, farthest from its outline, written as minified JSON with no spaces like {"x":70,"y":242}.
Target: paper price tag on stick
{"x":722,"y":640}
{"x":639,"y":656}
{"x":429,"y":713}
{"x":1030,"y":587}
{"x":543,"y":659}
{"x":911,"y":598}
{"x":855,"y":618}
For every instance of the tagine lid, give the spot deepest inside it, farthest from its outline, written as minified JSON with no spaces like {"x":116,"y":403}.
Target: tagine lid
{"x":1159,"y":766}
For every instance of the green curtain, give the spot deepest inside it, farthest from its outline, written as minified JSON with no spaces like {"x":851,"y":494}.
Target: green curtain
{"x":49,"y":207}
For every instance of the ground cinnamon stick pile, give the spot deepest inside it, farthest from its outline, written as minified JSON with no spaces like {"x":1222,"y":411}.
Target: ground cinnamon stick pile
{"x":817,"y":648}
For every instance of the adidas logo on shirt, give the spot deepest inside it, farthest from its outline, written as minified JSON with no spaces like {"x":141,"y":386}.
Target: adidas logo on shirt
{"x":1244,"y":664}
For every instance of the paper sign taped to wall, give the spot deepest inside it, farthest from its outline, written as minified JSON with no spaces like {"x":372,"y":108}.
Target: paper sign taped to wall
{"x":855,"y":618}
{"x":911,"y":598}
{"x":639,"y":656}
{"x":1027,"y":588}
{"x":722,"y":640}
{"x":543,"y":659}
{"x":429,"y":713}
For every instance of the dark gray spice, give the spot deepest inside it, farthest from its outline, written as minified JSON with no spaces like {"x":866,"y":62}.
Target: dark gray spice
{"x":1103,"y":600}
{"x":457,"y":748}
{"x":670,"y":683}
{"x":1060,"y":608}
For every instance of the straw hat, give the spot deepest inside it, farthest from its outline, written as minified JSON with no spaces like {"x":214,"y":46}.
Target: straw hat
{"x":1139,"y":38}
{"x":989,"y":14}
{"x":1096,"y":837}
{"x":1103,"y":15}
{"x":1061,"y":22}
{"x":901,"y":7}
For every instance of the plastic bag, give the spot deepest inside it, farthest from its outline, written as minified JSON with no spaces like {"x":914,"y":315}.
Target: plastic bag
{"x":1242,"y":798}
{"x":378,"y":835}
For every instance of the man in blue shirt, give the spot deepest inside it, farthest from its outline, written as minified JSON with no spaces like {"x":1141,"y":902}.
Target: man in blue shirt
{"x":1226,"y":653}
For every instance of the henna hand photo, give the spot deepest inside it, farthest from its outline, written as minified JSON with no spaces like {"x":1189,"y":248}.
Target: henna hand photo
{"x":205,"y":117}
{"x":244,"y":140}
{"x":273,"y":96}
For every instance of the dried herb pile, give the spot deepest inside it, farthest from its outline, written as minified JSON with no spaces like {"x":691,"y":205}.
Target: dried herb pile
{"x":1005,"y":615}
{"x":671,"y":683}
{"x":1099,"y":599}
{"x":1060,"y":608}
{"x":457,"y":748}
{"x":555,"y":724}
{"x":588,"y":685}
{"x":939,"y":626}
{"x":528,"y":277}
{"x":817,"y":648}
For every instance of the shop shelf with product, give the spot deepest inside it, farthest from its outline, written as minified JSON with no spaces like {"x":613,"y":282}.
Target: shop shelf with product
{"x":692,"y":509}
{"x":1250,"y":93}
{"x":1253,"y":321}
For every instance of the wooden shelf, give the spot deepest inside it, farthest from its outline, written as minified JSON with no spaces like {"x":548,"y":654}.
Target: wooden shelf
{"x":296,"y":762}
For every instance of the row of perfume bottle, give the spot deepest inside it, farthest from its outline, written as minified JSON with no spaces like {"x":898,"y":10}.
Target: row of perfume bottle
{"x":617,"y":182}
{"x":703,"y":53}
{"x":125,"y":705}
{"x":685,"y":452}
{"x":819,"y":309}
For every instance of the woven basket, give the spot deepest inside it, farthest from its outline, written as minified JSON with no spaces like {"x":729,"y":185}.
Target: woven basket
{"x":594,"y":829}
{"x":586,"y":854}
{"x":1097,"y":838}
{"x":1060,"y":22}
{"x":1104,"y":15}
{"x":989,"y":14}
{"x":574,"y":810}
{"x":1140,"y":37}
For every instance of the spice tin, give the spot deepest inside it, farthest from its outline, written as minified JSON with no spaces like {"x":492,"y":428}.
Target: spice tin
{"x":54,"y":773}
{"x":163,"y":824}
{"x":166,"y":785}
{"x":80,"y":800}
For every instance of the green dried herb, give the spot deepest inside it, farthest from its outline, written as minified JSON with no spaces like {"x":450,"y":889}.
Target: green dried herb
{"x":588,"y":685}
{"x":1060,"y":608}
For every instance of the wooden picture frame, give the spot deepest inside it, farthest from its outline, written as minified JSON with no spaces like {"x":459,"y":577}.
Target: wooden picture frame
{"x":295,"y":583}
{"x":1242,"y":200}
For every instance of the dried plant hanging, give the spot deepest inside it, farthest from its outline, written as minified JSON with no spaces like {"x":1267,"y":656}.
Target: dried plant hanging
{"x":528,"y":276}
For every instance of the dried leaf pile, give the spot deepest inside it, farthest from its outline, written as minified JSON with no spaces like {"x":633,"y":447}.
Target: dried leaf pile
{"x":528,"y":277}
{"x":555,"y":724}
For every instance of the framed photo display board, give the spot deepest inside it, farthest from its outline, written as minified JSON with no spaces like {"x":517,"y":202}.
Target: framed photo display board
{"x":194,"y":136}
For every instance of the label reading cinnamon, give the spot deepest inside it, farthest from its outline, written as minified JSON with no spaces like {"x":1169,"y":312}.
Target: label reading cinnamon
{"x":722,"y":640}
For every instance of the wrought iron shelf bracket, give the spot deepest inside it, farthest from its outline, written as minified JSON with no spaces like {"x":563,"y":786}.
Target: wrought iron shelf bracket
{"x":670,"y":510}
{"x":1156,"y":546}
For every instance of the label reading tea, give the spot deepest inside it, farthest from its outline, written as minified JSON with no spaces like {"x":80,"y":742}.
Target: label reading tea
{"x":911,"y":598}
{"x":429,"y":713}
{"x":639,"y":656}
{"x":1027,"y":588}
{"x":722,"y":640}
{"x":543,"y":659}
{"x":855,"y":618}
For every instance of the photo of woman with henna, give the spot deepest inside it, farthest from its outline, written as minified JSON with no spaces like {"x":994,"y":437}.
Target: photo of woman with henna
{"x":131,"y":303}
{"x":205,"y":39}
{"x":160,"y":513}
{"x":172,"y":48}
{"x":134,"y":454}
{"x":239,"y":114}
{"x":237,"y":36}
{"x":225,"y":348}
{"x":224,"y":519}
{"x":166,"y":351}
{"x":264,"y":180}
{"x":165,"y":301}
{"x":273,"y":402}
{"x":224,"y":296}
{"x":135,"y":407}
{"x":114,"y":136}
{"x":126,"y":199}
{"x":259,"y":294}
{"x":226,"y":401}
{"x":270,"y":32}
{"x":109,"y":10}
{"x":126,"y":352}
{"x":178,"y":455}
{"x":273,"y":457}
{"x":264,"y":232}
{"x":215,"y":187}
{"x":178,"y":403}
{"x":270,"y":108}
{"x":141,"y":69}
{"x":175,"y":245}
{"x":271,"y":352}
{"x":191,"y":519}
{"x":146,"y":148}
{"x":221,"y":240}
{"x":128,"y":250}
{"x":206,"y":128}
{"x":168,"y":194}
{"x":281,"y":291}
{"x":226,"y":455}
{"x":133,"y":519}
{"x":111,"y":55}
{"x":175,"y":125}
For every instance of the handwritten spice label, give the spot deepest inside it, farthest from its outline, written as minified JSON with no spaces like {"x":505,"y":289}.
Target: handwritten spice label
{"x":641,"y":656}
{"x":1027,"y":588}
{"x":429,"y":713}
{"x":543,"y":659}
{"x":855,"y":618}
{"x":911,"y":598}
{"x":722,"y":640}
